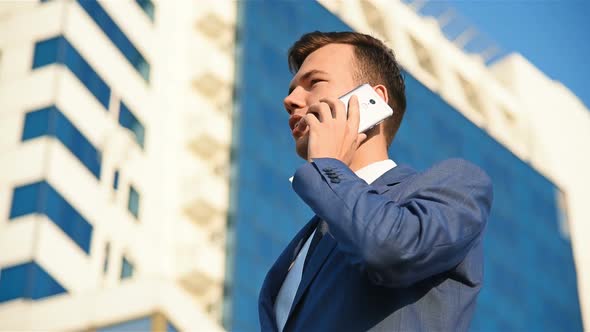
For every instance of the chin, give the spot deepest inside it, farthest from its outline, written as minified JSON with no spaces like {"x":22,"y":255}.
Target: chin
{"x":301,"y":147}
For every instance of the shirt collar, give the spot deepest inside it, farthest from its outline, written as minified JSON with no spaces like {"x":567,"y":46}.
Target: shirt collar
{"x":373,"y":171}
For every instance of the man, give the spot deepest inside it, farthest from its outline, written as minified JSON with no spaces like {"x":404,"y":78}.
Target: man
{"x":390,"y":249}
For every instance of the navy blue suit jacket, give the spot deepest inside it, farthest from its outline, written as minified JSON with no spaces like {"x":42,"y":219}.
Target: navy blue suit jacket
{"x":401,"y":254}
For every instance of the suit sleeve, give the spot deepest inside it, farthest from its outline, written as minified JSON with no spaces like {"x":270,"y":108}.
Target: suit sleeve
{"x":428,"y":230}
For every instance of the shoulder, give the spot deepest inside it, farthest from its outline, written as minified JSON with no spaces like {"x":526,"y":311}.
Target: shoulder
{"x":456,"y":173}
{"x":456,"y":169}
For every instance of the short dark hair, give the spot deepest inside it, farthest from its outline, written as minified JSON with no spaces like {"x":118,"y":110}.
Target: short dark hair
{"x":376,"y":64}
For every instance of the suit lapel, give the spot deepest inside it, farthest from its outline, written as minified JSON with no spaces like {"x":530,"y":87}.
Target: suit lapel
{"x":319,"y":256}
{"x":277,"y":273}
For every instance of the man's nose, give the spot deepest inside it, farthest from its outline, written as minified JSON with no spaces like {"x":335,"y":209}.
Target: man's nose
{"x":294,"y":101}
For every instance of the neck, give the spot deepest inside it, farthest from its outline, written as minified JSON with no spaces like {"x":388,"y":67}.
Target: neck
{"x":369,"y":152}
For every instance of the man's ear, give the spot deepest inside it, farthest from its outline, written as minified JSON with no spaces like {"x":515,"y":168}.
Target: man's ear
{"x":382,"y":92}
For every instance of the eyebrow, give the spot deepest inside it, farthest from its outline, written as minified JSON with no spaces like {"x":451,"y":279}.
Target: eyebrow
{"x":306,"y":76}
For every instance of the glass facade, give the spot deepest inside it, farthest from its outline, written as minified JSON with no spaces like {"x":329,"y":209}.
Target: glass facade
{"x":129,"y":121}
{"x":49,"y":121}
{"x":27,"y":281}
{"x":59,"y":50}
{"x":116,"y":36}
{"x":40,"y":197}
{"x":524,"y":251}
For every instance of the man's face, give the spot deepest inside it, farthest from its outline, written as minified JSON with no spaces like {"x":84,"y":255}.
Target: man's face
{"x":327,"y":72}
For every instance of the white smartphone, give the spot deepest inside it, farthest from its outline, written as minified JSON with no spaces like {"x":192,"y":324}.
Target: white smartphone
{"x":373,"y":110}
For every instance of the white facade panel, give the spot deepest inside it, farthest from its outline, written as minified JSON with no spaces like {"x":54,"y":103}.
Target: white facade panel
{"x":29,"y":92}
{"x":65,"y":262}
{"x":17,"y":35}
{"x":130,"y":300}
{"x":25,"y":163}
{"x":17,"y":240}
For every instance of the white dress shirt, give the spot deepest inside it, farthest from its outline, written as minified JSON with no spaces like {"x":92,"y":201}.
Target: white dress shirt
{"x":290,"y":285}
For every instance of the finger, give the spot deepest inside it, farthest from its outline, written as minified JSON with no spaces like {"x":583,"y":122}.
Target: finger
{"x":360,"y":139}
{"x":322,"y":110}
{"x":336,"y":107}
{"x":353,"y":114}
{"x":311,"y":120}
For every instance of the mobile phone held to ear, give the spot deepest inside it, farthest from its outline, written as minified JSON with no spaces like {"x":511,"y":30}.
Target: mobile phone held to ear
{"x":372,"y":109}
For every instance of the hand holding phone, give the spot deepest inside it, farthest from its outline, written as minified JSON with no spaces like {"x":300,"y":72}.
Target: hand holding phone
{"x":372,"y":108}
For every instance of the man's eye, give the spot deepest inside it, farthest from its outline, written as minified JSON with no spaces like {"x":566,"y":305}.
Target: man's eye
{"x":314,"y":81}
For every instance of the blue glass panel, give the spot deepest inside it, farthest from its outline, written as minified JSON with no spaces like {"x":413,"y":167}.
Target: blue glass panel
{"x":59,"y":50}
{"x":116,"y":35}
{"x":14,"y":282}
{"x":148,"y":7}
{"x":25,"y":200}
{"x":126,"y":269}
{"x":38,"y":123}
{"x":129,"y":121}
{"x":43,"y":285}
{"x":49,"y":121}
{"x":140,"y":324}
{"x":46,"y":52}
{"x":40,"y":197}
{"x":28,"y":281}
{"x":133,"y":202}
{"x":524,"y":252}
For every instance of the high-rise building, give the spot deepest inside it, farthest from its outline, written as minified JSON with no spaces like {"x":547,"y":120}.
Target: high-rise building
{"x":145,"y":157}
{"x":115,"y":135}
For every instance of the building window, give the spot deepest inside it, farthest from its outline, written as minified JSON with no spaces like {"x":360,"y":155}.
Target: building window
{"x":28,"y":281}
{"x":133,"y":202}
{"x":129,"y":121}
{"x":117,"y":37}
{"x":59,"y":50}
{"x":126,"y":268}
{"x":40,"y":197}
{"x":49,"y":121}
{"x":116,"y":180}
{"x":148,"y":7}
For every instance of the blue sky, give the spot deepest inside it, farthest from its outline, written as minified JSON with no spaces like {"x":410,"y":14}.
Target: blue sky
{"x":553,"y":35}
